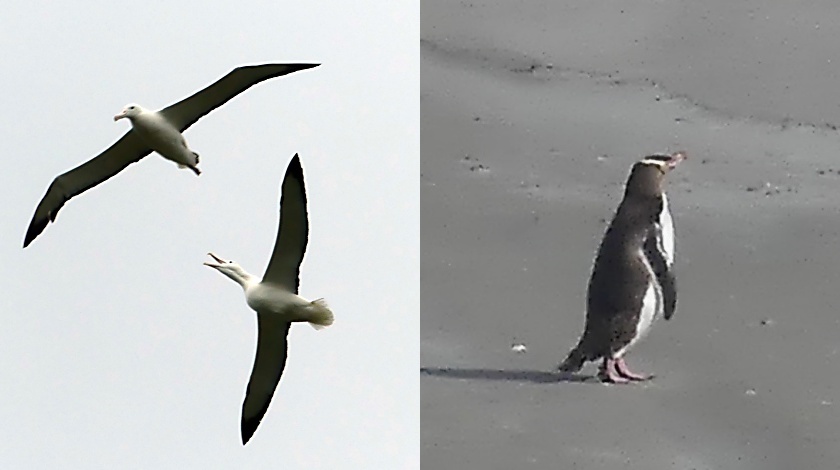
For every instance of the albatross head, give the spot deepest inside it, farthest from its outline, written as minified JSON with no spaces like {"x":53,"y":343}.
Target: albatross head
{"x":130,"y":111}
{"x":229,"y":269}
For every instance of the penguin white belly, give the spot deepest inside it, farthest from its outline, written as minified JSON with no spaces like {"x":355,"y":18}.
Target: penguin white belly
{"x":666,"y":226}
{"x":652,"y":308}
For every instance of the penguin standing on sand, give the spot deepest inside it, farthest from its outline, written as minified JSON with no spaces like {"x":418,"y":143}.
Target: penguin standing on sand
{"x":632,"y":283}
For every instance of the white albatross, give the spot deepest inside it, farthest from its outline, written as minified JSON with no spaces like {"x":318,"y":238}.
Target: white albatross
{"x":275,"y":299}
{"x":151,"y":131}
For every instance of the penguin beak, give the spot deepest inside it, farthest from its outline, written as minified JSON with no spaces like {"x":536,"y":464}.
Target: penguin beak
{"x":676,"y":159}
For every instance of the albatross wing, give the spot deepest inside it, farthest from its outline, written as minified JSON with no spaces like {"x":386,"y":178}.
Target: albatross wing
{"x":293,"y":233}
{"x":114,"y":159}
{"x":186,"y":112}
{"x":268,"y":367}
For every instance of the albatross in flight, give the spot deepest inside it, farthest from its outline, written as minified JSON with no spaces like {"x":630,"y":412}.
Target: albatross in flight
{"x":151,"y":131}
{"x":275,"y":299}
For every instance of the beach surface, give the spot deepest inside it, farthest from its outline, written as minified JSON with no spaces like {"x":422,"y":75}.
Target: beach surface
{"x":531,"y":115}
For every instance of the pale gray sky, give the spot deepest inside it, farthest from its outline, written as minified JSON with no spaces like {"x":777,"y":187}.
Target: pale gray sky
{"x":119,"y":348}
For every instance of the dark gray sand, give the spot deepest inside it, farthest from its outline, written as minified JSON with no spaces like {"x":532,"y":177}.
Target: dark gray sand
{"x":532,"y":114}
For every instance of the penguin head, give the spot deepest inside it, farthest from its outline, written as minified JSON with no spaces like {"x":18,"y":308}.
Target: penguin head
{"x":648,"y":174}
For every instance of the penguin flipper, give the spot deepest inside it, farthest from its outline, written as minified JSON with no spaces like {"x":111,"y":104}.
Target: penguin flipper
{"x":669,"y":293}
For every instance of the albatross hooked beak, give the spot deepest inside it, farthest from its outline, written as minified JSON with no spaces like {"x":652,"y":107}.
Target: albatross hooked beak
{"x":119,"y":116}
{"x":219,"y":261}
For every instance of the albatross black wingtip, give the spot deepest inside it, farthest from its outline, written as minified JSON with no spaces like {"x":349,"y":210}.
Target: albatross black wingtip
{"x":298,"y":67}
{"x":294,"y":169}
{"x":249,"y":427}
{"x":35,"y":229}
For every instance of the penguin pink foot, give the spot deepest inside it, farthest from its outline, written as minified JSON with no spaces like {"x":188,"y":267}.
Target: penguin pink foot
{"x":621,"y":368}
{"x":608,"y":373}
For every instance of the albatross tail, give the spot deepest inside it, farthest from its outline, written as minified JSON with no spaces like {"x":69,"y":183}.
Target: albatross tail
{"x":320,"y":315}
{"x":192,"y":166}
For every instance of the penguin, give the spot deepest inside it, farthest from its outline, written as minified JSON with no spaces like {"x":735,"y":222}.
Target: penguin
{"x":632,"y":282}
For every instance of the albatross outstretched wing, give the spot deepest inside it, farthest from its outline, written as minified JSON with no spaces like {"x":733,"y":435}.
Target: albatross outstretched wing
{"x":293,"y":233}
{"x":268,"y":367}
{"x":186,"y":112}
{"x":114,"y":159}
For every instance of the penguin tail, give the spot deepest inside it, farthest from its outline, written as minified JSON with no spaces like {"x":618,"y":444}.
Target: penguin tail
{"x":574,"y":361}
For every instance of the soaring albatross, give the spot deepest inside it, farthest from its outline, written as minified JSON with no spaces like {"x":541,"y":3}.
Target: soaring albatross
{"x":151,"y":131}
{"x":275,"y":299}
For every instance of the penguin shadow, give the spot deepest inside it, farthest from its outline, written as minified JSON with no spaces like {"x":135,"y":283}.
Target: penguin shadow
{"x":515,"y":375}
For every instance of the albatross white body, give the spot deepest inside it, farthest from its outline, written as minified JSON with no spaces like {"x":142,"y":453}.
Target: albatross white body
{"x":160,"y":135}
{"x":275,"y":299}
{"x":279,"y":301}
{"x":286,"y":305}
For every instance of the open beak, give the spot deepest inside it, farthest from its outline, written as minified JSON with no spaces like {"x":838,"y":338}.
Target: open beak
{"x":676,"y":159}
{"x":219,"y":261}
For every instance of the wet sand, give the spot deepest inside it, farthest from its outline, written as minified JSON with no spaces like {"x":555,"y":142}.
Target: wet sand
{"x":531,"y":115}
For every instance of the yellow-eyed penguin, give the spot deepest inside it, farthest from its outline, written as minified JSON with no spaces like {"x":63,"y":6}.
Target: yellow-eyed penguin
{"x":632,"y":282}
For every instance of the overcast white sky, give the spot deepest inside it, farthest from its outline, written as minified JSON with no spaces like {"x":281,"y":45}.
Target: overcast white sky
{"x":119,"y":349}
